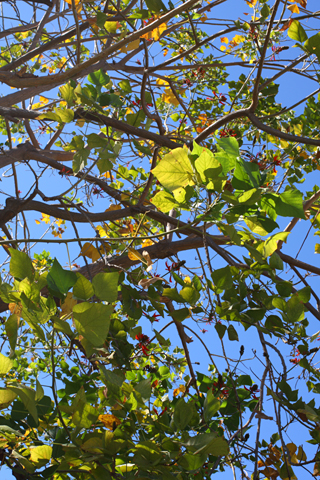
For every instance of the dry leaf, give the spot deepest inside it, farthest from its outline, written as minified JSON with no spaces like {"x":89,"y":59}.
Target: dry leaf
{"x":68,"y":304}
{"x":113,"y":207}
{"x":147,"y":258}
{"x":131,"y":46}
{"x":15,"y":308}
{"x":146,"y":282}
{"x":263,"y":416}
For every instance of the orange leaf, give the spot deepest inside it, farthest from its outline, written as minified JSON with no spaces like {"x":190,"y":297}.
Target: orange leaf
{"x":109,"y":421}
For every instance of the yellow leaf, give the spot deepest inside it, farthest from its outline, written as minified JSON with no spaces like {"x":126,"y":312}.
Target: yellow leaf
{"x":87,"y":250}
{"x":203,"y":18}
{"x":181,"y":389}
{"x":80,"y":122}
{"x":15,"y":308}
{"x":134,"y":255}
{"x":131,"y":46}
{"x":165,"y":52}
{"x":45,"y":218}
{"x":147,"y":243}
{"x":224,"y":40}
{"x":108,"y":175}
{"x":95,"y":255}
{"x":102,"y":231}
{"x":169,"y":97}
{"x":68,"y":304}
{"x":187,"y":280}
{"x":125,"y":197}
{"x":43,"y":100}
{"x":294,"y":8}
{"x":160,"y":81}
{"x":251,"y":3}
{"x":292,"y":448}
{"x":109,"y":421}
{"x":37,"y":221}
{"x":317,"y":248}
{"x":113,"y":207}
{"x":283,"y":143}
{"x":223,"y":48}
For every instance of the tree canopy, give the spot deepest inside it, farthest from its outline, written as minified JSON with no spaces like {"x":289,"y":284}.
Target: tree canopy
{"x":159,"y":302}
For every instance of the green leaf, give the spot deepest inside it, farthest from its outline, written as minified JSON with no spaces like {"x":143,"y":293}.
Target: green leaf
{"x":155,"y":6}
{"x":82,"y":289}
{"x":230,"y":146}
{"x":313,"y":44}
{"x":111,"y":27}
{"x":59,"y":280}
{"x":172,"y":294}
{"x":95,"y":141}
{"x":5,"y":364}
{"x":27,"y":396}
{"x":295,"y":309}
{"x":141,"y":148}
{"x":20,"y":265}
{"x":62,"y":326}
{"x":135,"y":119}
{"x":50,"y":116}
{"x":144,"y":388}
{"x":11,"y":326}
{"x":284,"y":288}
{"x":125,"y":86}
{"x":174,"y":170}
{"x":265,"y":11}
{"x":271,"y":244}
{"x":80,"y":160}
{"x":101,"y":20}
{"x":164,"y":201}
{"x":250,"y":197}
{"x":246,"y":175}
{"x":189,"y":295}
{"x":39,"y":391}
{"x":207,"y":166}
{"x":221,"y":329}
{"x":92,"y":321}
{"x":304,"y":294}
{"x":40,"y":455}
{"x":268,"y":204}
{"x":6,"y":397}
{"x":66,"y":115}
{"x":84,"y":414}
{"x":104,"y":165}
{"x":183,"y":413}
{"x":180,"y":314}
{"x":227,"y":162}
{"x":297,"y":32}
{"x":67,"y":93}
{"x":211,"y":406}
{"x":106,"y":286}
{"x":99,"y":78}
{"x":290,"y":204}
{"x":232,"y":333}
{"x":276,"y":262}
{"x":192,"y":462}
{"x":222,"y":278}
{"x":208,"y":443}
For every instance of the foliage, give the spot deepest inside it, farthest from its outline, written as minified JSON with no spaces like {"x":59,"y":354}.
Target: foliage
{"x":156,"y":133}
